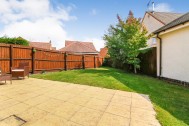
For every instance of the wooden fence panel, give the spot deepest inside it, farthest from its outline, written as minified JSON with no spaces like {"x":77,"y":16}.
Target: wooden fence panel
{"x":98,"y":61}
{"x":101,"y":60}
{"x":22,"y":54}
{"x":74,"y":61}
{"x":89,"y":61}
{"x":48,"y":60}
{"x":5,"y":58}
{"x":44,"y":60}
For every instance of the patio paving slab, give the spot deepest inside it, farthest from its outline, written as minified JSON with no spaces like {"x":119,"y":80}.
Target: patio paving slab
{"x":42,"y":102}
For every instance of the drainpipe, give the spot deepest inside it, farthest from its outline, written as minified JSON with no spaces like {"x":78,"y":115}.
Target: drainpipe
{"x":160,"y":54}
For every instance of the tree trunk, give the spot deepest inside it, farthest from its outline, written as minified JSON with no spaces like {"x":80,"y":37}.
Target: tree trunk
{"x":135,"y":70}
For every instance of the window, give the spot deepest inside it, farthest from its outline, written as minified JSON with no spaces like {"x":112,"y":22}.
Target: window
{"x":153,"y":41}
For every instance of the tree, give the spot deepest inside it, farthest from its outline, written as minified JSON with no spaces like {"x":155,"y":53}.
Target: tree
{"x":125,"y":40}
{"x":18,"y":40}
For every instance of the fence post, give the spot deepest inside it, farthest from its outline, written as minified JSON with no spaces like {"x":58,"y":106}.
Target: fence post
{"x":102,"y":61}
{"x":94,"y":61}
{"x":33,"y":60}
{"x":65,"y":61}
{"x":83,"y":61}
{"x":11,"y":56}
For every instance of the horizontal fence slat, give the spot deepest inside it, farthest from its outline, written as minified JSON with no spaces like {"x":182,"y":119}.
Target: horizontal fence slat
{"x":73,"y":61}
{"x":49,"y":69}
{"x":22,"y":58}
{"x":49,"y":60}
{"x":4,"y":58}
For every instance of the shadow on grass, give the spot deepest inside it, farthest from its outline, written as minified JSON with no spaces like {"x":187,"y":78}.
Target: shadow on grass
{"x":172,"y":98}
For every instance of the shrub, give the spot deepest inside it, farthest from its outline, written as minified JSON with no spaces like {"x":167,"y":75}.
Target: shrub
{"x":15,"y":40}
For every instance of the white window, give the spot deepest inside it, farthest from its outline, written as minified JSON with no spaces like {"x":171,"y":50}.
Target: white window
{"x":153,"y":41}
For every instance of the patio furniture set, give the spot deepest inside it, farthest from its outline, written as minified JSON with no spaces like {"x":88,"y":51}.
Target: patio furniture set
{"x":21,"y":71}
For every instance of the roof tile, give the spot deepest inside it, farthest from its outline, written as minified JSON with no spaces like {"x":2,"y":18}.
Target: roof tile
{"x":165,"y":17}
{"x":43,"y":45}
{"x":79,"y":47}
{"x":176,"y":22}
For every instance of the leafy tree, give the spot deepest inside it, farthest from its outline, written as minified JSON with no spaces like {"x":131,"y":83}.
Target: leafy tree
{"x":18,"y":40}
{"x":125,"y":40}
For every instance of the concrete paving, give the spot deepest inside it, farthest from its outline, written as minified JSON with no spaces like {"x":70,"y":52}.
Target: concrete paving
{"x":35,"y":102}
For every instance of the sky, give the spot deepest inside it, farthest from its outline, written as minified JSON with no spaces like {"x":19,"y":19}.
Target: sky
{"x":79,"y":20}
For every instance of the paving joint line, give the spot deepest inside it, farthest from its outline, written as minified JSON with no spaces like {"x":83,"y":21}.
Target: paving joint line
{"x":130,"y":109}
{"x":106,"y":108}
{"x":74,"y":104}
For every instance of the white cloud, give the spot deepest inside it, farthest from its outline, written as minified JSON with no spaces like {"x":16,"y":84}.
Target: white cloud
{"x":93,"y":12}
{"x":162,"y":7}
{"x":41,"y":30}
{"x":98,"y":43}
{"x":35,"y":20}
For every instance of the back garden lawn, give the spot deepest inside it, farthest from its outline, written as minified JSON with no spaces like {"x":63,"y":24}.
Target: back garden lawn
{"x":171,"y":102}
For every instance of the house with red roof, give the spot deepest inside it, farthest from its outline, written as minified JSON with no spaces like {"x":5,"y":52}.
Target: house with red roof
{"x":42,"y":45}
{"x":78,"y":47}
{"x":103,"y":52}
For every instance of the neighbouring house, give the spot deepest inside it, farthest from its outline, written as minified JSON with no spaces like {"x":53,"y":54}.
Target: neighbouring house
{"x":42,"y":45}
{"x":77,"y":47}
{"x":154,"y":20}
{"x":173,"y":49}
{"x":103,"y":52}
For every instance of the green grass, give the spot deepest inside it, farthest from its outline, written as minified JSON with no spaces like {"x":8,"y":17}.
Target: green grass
{"x":171,"y":101}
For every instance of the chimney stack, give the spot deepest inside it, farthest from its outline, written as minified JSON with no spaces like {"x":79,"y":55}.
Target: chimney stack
{"x":153,"y":7}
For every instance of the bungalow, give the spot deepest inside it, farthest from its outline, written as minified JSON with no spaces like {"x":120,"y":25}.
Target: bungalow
{"x":77,"y":47}
{"x":42,"y":45}
{"x":173,"y":49}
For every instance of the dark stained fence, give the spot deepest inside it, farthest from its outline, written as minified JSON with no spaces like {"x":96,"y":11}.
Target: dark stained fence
{"x":44,"y":60}
{"x":148,"y":62}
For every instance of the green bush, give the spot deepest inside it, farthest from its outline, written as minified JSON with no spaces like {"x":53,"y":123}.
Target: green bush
{"x":17,"y":41}
{"x":124,"y":41}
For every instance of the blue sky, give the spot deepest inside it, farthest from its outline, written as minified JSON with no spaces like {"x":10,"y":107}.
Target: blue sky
{"x":82,"y":20}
